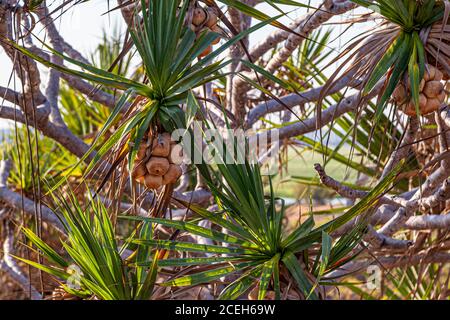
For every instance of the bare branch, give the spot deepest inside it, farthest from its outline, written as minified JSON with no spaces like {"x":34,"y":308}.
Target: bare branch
{"x":312,"y":21}
{"x":8,"y":265}
{"x":346,"y":105}
{"x":346,"y":191}
{"x":11,"y":96}
{"x":91,"y":92}
{"x":381,"y":241}
{"x":58,"y":133}
{"x":53,"y":85}
{"x":403,"y":150}
{"x":25,"y":68}
{"x":23,"y":203}
{"x":295,"y":99}
{"x":428,"y":222}
{"x":357,"y":267}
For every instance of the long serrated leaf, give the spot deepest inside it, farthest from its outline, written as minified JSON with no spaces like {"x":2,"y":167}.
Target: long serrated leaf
{"x":294,"y":267}
{"x":266,"y":275}
{"x":385,"y":63}
{"x":191,"y":247}
{"x":195,"y":229}
{"x":238,"y":287}
{"x":46,"y":250}
{"x":208,"y":276}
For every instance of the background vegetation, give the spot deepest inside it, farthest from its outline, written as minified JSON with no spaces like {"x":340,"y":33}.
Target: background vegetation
{"x":356,"y":208}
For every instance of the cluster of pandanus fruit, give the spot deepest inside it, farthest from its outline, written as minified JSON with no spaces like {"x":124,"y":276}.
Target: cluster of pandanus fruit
{"x":205,"y":18}
{"x":158,"y":160}
{"x":432,"y":93}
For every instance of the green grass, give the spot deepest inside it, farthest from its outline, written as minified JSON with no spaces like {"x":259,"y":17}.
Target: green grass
{"x":303,"y":165}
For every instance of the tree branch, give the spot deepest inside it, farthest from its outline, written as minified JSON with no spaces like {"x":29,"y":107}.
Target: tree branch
{"x":8,"y":265}
{"x":295,"y":99}
{"x":346,"y":105}
{"x":22,"y":203}
{"x":312,"y":21}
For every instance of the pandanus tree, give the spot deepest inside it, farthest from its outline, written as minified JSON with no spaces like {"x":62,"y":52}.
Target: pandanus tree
{"x":133,"y":229}
{"x":246,"y":237}
{"x":142,"y":134}
{"x":174,"y":40}
{"x":408,"y":49}
{"x":253,"y":243}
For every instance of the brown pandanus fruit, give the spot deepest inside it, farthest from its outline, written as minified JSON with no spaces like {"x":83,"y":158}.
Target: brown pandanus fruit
{"x":200,"y":16}
{"x":205,"y":19}
{"x":152,"y":181}
{"x":216,"y":29}
{"x":139,"y":171}
{"x":158,"y":161}
{"x":172,"y":174}
{"x":211,"y":19}
{"x":161,"y":145}
{"x":431,"y":93}
{"x":158,"y":166}
{"x":142,"y":152}
{"x":205,"y":52}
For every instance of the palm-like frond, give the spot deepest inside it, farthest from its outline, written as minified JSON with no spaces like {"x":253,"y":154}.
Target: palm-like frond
{"x":400,"y":48}
{"x":92,"y":249}
{"x":255,"y":245}
{"x":168,"y":50}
